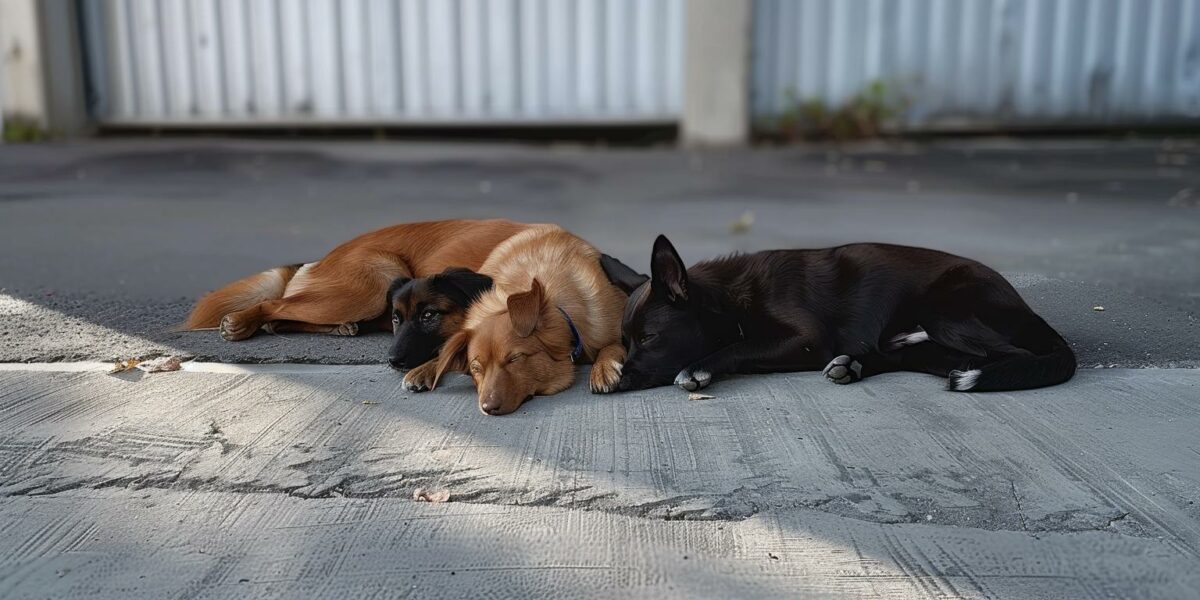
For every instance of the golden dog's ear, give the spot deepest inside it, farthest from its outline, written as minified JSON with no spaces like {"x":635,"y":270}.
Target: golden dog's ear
{"x":525,"y":309}
{"x":452,"y":356}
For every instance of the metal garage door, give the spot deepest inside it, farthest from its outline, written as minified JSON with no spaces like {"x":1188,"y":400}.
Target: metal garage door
{"x":985,"y":62}
{"x":358,"y":62}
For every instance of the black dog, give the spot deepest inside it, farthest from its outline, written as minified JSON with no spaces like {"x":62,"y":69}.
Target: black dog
{"x":428,"y":310}
{"x":856,"y":310}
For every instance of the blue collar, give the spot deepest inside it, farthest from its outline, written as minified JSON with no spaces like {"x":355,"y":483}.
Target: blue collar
{"x":576,"y":339}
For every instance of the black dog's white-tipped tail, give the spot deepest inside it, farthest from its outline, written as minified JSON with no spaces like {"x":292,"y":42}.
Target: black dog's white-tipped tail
{"x":1018,"y":372}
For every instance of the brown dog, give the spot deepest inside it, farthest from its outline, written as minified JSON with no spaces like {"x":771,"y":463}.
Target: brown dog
{"x":551,"y":306}
{"x":348,"y":286}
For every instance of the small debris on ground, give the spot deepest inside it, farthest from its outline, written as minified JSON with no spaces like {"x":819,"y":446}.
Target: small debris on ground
{"x":1185,"y":198}
{"x":424,"y":495}
{"x":1098,"y":308}
{"x":370,"y":402}
{"x":695,"y":396}
{"x":124,"y":365}
{"x":743,"y":223}
{"x":160,"y":365}
{"x":772,"y":556}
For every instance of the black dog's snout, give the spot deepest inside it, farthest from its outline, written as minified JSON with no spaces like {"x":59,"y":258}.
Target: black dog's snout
{"x":623,"y":385}
{"x":397,"y":362}
{"x":629,"y":381}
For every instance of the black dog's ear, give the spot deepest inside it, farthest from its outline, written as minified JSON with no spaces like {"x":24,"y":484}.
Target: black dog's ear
{"x":461,"y":285}
{"x":621,"y":275}
{"x":667,"y":271}
{"x":397,"y":283}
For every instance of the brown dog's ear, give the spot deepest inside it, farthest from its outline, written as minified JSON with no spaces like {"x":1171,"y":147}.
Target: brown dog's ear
{"x":525,"y":308}
{"x":668,"y":275}
{"x":452,"y":356}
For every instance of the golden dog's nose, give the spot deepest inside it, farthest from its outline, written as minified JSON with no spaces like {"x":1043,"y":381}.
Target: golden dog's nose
{"x":490,"y":404}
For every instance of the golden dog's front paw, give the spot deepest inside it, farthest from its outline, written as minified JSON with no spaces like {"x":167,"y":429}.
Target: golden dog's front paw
{"x":605,"y":375}
{"x":421,"y":378}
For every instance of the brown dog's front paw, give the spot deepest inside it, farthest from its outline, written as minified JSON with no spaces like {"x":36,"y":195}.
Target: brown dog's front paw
{"x":421,"y":378}
{"x":605,"y":375}
{"x":232,"y":329}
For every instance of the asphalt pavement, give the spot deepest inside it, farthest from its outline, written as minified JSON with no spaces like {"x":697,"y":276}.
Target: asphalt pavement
{"x":281,"y":480}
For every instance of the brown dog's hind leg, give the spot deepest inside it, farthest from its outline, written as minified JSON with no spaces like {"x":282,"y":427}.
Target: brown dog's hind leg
{"x":242,"y":324}
{"x":606,"y":369}
{"x":328,"y":310}
{"x":299,"y":327}
{"x":325,"y":303}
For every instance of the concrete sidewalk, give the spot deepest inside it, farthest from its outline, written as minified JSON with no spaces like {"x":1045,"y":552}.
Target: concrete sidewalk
{"x":265,"y":485}
{"x":298,"y":481}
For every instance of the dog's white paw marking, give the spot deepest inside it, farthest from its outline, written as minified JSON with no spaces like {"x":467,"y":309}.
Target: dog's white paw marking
{"x":616,"y":366}
{"x":908,"y":339}
{"x":693,"y":380}
{"x":962,"y":381}
{"x":605,"y":380}
{"x":843,"y":369}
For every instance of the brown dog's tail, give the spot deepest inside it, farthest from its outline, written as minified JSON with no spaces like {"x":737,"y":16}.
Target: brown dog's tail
{"x":239,"y":295}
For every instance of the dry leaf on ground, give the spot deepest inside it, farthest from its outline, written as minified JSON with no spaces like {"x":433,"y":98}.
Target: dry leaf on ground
{"x":743,"y":223}
{"x":695,"y":396}
{"x":160,"y":364}
{"x":424,"y":495}
{"x":124,"y":365}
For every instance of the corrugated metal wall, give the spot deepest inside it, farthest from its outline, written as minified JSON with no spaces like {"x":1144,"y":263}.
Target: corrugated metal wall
{"x":985,"y":62}
{"x":176,"y":62}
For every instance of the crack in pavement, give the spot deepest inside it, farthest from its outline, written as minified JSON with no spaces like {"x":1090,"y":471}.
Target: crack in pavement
{"x":1017,"y":500}
{"x":735,"y":505}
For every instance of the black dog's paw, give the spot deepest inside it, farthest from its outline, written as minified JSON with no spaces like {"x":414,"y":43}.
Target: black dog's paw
{"x":843,"y":370}
{"x":693,"y":380}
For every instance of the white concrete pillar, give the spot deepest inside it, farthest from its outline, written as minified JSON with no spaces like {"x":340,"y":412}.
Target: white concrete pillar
{"x":717,"y":42}
{"x":41,"y":67}
{"x":21,"y":61}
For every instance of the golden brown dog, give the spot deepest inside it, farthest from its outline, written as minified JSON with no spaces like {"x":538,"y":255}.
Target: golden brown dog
{"x":349,"y":285}
{"x":551,"y":306}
